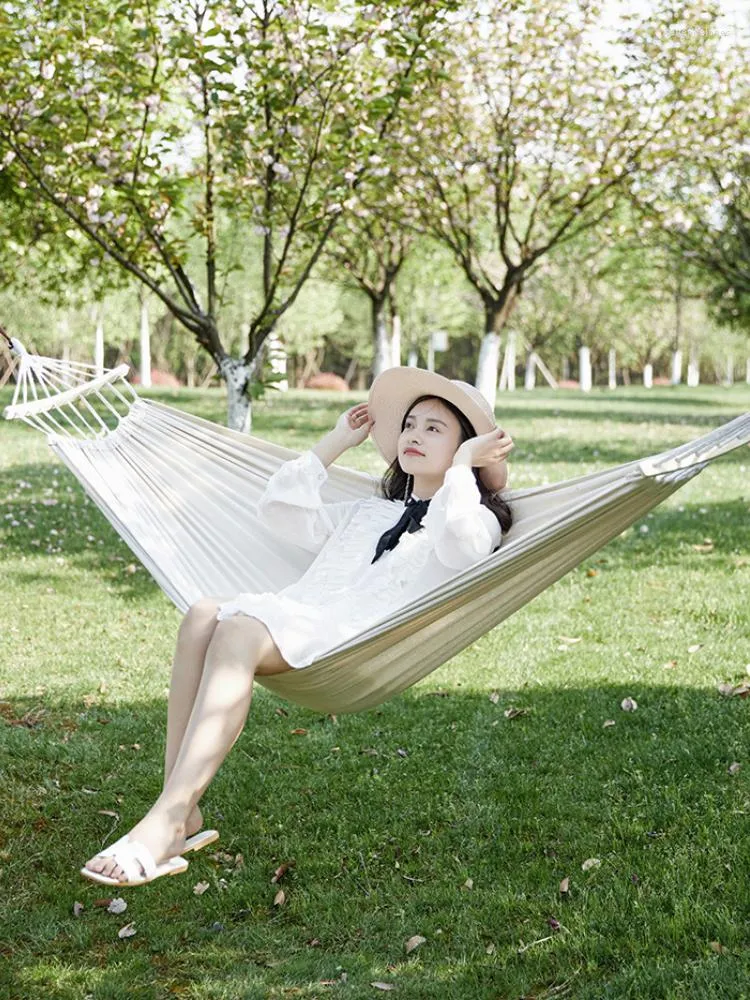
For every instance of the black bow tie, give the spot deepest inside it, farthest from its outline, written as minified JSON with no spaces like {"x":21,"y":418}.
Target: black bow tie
{"x":410,"y":520}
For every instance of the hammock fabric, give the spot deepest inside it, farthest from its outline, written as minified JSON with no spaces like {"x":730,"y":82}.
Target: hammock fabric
{"x":182,"y":491}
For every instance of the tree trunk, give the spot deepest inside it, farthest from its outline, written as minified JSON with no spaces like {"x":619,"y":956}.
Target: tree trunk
{"x":145,"y":344}
{"x":612,"y":372}
{"x":489,"y":358}
{"x":382,"y":358}
{"x":508,"y":373}
{"x":676,"y":367}
{"x":529,"y":381}
{"x":584,"y":369}
{"x":236,"y":375}
{"x":693,"y":372}
{"x":395,"y":332}
{"x":496,"y":315}
{"x":648,"y":376}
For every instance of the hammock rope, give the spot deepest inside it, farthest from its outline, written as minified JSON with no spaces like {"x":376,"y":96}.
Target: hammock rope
{"x":182,"y":491}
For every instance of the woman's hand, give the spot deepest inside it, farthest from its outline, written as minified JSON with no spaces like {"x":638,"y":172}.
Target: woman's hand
{"x":487,"y":452}
{"x":353,"y":426}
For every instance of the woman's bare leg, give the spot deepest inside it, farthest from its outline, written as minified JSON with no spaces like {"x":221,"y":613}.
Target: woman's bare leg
{"x":239,"y":648}
{"x":193,"y":637}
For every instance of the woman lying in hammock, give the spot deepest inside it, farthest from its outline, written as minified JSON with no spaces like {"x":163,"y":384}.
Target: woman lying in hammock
{"x":440,"y":512}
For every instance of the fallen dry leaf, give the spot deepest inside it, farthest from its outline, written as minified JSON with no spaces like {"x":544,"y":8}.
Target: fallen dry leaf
{"x":628,"y":704}
{"x":695,"y":647}
{"x":565,"y":886}
{"x":77,"y":909}
{"x":468,"y":884}
{"x":117,"y":905}
{"x":592,"y":572}
{"x":490,"y":949}
{"x":707,"y":546}
{"x":281,"y":711}
{"x":384,"y":986}
{"x":494,"y":697}
{"x":732,"y":690}
{"x":669,"y":665}
{"x":108,"y":812}
{"x":608,"y":722}
{"x":127,"y":931}
{"x":718,"y":947}
{"x":513,"y":713}
{"x":299,"y":732}
{"x":280,"y":898}
{"x":282,"y":870}
{"x":571,"y":640}
{"x":554,"y":923}
{"x":590,"y":863}
{"x":222,"y":857}
{"x":734,"y":767}
{"x":200,"y":887}
{"x":414,"y":942}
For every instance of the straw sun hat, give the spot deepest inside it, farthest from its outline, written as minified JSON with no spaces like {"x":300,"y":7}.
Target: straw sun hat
{"x":395,"y":389}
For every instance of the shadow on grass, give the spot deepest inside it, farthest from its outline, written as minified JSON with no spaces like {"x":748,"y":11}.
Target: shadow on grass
{"x":383,"y":817}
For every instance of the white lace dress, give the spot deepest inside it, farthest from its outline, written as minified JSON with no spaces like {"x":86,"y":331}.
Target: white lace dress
{"x":343,"y":592}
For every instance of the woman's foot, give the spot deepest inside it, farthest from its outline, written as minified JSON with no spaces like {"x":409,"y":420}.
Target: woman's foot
{"x":194,"y":822}
{"x":164,"y":838}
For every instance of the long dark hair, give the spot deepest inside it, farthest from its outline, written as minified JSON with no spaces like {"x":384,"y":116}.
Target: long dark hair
{"x":393,"y":483}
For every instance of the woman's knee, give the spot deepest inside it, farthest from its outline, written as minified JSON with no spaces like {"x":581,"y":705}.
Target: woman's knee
{"x":253,"y":637}
{"x":201,"y":615}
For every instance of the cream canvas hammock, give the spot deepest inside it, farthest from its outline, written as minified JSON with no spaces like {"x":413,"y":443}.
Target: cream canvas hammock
{"x":182,"y":492}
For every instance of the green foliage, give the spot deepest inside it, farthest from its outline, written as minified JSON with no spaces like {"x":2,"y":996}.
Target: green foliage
{"x":142,"y":135}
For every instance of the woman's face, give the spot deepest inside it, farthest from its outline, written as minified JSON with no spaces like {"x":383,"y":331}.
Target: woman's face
{"x":432,"y":430}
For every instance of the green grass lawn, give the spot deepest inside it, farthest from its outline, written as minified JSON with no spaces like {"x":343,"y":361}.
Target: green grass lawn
{"x":436,"y":814}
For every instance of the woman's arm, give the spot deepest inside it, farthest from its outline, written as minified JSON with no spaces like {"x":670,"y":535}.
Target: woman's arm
{"x":461,"y":529}
{"x":291,"y":505}
{"x":330,"y":447}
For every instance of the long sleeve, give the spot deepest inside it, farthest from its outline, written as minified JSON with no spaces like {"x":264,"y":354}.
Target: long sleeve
{"x":460,"y":527}
{"x":291,"y":506}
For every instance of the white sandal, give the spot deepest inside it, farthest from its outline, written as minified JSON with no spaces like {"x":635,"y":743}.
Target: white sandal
{"x":135,"y":858}
{"x":200,"y":840}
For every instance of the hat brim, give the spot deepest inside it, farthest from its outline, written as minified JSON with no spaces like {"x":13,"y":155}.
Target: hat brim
{"x":393,"y":392}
